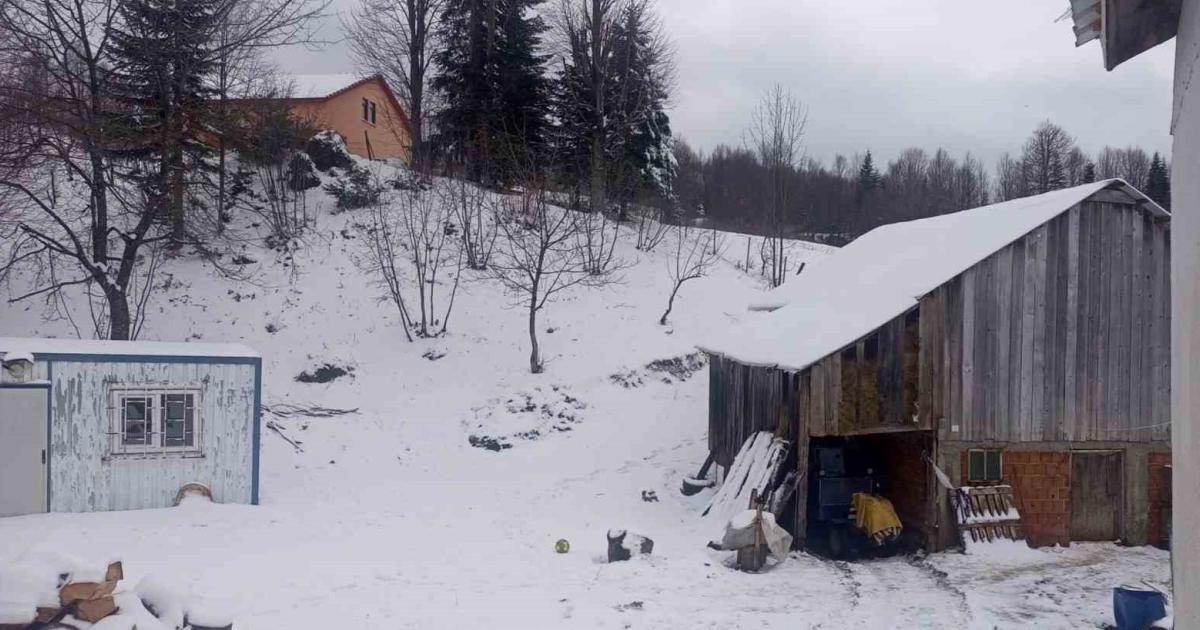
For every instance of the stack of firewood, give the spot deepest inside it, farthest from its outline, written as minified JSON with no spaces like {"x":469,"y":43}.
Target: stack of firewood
{"x":85,"y":601}
{"x":92,"y":601}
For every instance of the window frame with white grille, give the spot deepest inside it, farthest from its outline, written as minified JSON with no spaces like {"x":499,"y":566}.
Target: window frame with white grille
{"x":154,"y":420}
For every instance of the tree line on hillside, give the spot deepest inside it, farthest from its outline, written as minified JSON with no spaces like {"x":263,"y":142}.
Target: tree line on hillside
{"x":575,"y":90}
{"x":852,"y":195}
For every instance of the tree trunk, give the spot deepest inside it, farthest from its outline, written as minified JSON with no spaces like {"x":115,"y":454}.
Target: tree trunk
{"x":670,"y":304}
{"x":535,"y":357}
{"x":99,"y":209}
{"x":120,"y":322}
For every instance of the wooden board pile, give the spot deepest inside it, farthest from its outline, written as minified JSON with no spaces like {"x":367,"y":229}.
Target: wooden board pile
{"x":987,"y":513}
{"x":85,"y":601}
{"x":91,"y":598}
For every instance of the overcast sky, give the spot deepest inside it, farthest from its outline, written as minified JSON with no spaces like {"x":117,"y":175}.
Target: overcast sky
{"x":967,"y":75}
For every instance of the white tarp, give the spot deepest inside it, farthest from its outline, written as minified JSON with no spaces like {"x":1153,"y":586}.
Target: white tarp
{"x":741,"y":530}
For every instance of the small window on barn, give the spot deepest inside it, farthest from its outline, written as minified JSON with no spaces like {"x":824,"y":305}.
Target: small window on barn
{"x":983,"y":465}
{"x":154,"y":420}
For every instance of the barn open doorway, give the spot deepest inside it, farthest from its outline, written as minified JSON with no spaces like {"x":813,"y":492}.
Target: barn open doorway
{"x":889,"y":464}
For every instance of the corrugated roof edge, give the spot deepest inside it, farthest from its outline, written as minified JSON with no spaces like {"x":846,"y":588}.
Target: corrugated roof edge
{"x":47,"y":347}
{"x":1142,"y":200}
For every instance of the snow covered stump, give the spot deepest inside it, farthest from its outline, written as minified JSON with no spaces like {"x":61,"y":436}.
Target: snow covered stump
{"x":623,"y":545}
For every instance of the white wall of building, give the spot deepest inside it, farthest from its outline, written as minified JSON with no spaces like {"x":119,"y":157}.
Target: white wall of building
{"x":1185,"y":320}
{"x":83,"y":478}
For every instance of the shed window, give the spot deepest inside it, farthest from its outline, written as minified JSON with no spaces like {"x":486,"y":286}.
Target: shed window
{"x":983,"y":466}
{"x":368,"y":111}
{"x":154,"y":420}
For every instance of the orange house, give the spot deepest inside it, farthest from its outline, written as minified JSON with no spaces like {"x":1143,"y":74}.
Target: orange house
{"x":364,"y":111}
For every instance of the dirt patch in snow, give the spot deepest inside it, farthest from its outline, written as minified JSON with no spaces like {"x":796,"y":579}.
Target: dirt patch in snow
{"x":523,"y":416}
{"x":669,"y":371}
{"x":324,"y":373}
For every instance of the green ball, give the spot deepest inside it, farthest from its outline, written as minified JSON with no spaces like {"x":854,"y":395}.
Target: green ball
{"x":562,"y":546}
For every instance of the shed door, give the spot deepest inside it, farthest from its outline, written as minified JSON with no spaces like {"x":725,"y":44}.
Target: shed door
{"x":23,"y":449}
{"x":1095,"y":495}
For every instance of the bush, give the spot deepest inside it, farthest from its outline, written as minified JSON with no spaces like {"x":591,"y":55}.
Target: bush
{"x":327,"y":151}
{"x":302,"y":173}
{"x":358,"y":189}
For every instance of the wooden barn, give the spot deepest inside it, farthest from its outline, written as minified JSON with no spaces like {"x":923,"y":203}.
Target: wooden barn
{"x":1024,"y":343}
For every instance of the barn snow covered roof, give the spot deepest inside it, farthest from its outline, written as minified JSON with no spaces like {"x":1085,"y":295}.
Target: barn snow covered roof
{"x":18,"y":346}
{"x":880,"y":275}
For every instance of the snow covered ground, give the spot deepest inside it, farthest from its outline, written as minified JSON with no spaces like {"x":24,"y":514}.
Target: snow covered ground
{"x":389,"y":518}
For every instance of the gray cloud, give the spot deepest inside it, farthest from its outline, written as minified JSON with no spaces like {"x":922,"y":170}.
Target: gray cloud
{"x":966,"y":75}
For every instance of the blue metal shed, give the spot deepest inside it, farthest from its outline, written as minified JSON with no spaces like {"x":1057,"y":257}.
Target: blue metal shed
{"x":123,"y":425}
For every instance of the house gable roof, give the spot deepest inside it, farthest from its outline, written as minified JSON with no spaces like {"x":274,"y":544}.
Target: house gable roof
{"x":884,"y":273}
{"x":324,"y":87}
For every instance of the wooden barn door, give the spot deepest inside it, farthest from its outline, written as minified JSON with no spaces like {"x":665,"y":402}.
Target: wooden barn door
{"x":1096,"y":499}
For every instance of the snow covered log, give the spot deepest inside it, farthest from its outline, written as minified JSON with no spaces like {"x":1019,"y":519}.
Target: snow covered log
{"x":623,"y":545}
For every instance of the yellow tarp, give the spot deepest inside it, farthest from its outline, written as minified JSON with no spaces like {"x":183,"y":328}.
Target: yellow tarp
{"x":876,"y":517}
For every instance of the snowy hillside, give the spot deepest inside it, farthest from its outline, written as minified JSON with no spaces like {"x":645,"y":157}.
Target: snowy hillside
{"x":390,"y":517}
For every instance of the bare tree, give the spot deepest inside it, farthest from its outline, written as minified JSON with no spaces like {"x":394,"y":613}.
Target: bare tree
{"x":539,"y":257}
{"x":653,"y":227}
{"x":1044,"y":158}
{"x":414,"y":228}
{"x":776,"y":134}
{"x":1131,"y":164}
{"x":695,"y":253}
{"x":396,"y":38}
{"x":474,"y":212}
{"x":271,"y":143}
{"x":99,"y":236}
{"x":1010,"y":181}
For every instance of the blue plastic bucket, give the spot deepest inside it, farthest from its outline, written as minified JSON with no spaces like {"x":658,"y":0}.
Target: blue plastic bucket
{"x":1136,"y":608}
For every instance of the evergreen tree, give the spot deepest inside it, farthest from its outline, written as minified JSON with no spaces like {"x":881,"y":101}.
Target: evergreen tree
{"x":869,"y":183}
{"x":1158,"y":182}
{"x":613,"y":134}
{"x":163,"y":49}
{"x":491,"y":80}
{"x":1089,"y":172}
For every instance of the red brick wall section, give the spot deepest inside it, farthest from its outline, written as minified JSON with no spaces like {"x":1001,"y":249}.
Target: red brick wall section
{"x":1041,"y":487}
{"x":1159,"y":491}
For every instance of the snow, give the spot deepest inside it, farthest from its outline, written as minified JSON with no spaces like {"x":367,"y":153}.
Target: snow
{"x":389,"y":518}
{"x":17,"y":347}
{"x":881,"y":275}
{"x":320,"y":85}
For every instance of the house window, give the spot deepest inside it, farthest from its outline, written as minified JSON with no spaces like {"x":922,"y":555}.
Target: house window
{"x":154,"y":420}
{"x":983,"y":466}
{"x":368,"y":111}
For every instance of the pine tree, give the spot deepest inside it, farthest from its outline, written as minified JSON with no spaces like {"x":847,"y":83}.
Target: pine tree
{"x":1158,"y":182}
{"x":491,"y":80}
{"x":869,"y":182}
{"x":613,"y":135}
{"x":164,"y":51}
{"x":1089,"y":172}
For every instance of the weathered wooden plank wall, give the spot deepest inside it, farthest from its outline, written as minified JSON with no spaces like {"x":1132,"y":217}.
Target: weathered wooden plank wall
{"x":1062,"y":335}
{"x":744,"y":399}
